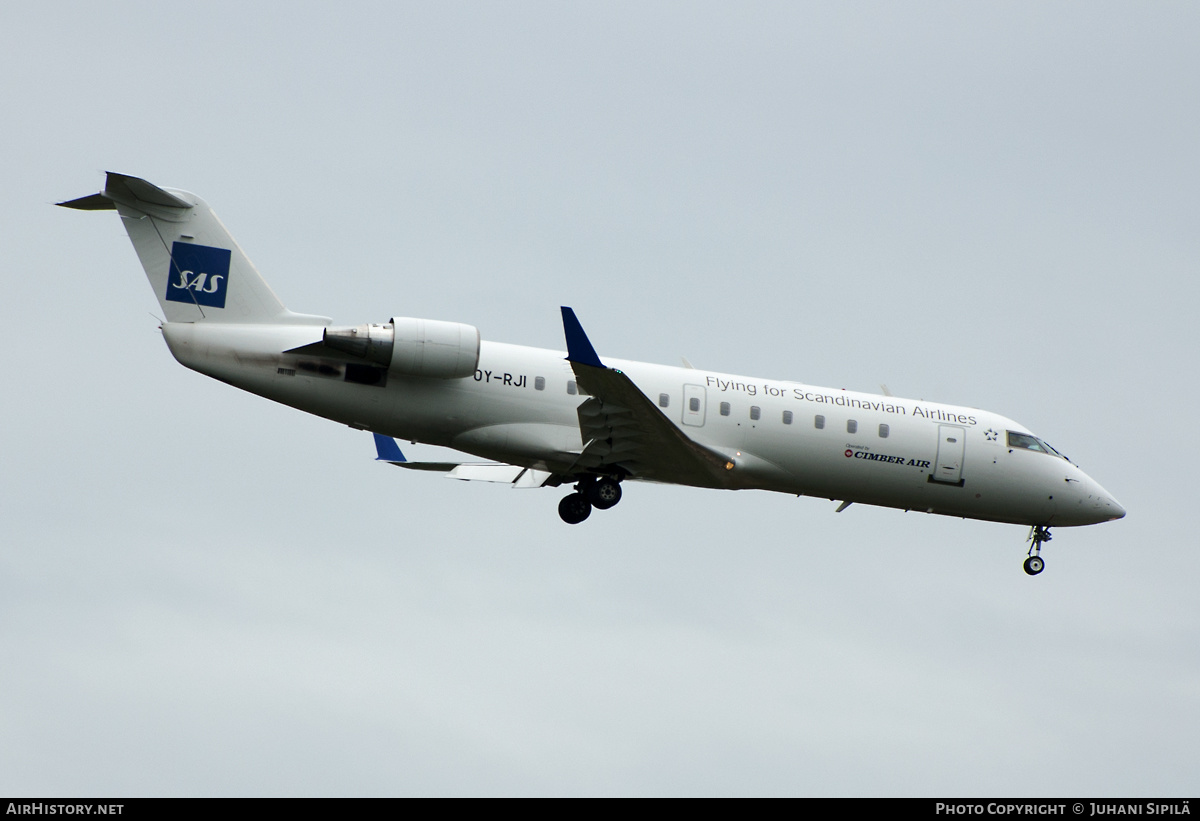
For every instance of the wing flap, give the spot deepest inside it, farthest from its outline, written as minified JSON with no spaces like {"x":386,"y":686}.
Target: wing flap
{"x":388,"y":451}
{"x":626,"y":429}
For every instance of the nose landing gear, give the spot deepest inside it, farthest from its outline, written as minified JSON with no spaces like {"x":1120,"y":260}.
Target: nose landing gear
{"x":589,"y":493}
{"x":1038,"y":535}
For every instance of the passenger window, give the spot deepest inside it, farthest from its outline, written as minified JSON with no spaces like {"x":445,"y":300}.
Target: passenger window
{"x":724,"y":408}
{"x":539,"y":383}
{"x":694,"y":404}
{"x":787,"y":417}
{"x":851,"y":426}
{"x":664,"y":400}
{"x":571,"y":389}
{"x":884,"y":430}
{"x":819,"y":422}
{"x":755,"y":412}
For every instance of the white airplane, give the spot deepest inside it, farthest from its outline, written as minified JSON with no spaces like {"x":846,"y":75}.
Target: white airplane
{"x":542,"y":419}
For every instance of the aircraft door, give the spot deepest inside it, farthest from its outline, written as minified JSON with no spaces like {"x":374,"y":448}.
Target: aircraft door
{"x":693,"y":405}
{"x":951,"y":444}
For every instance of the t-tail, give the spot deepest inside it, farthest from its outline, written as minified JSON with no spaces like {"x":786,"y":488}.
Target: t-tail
{"x":197,"y":270}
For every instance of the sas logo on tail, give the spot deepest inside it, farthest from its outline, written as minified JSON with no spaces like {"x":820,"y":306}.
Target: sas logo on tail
{"x":199,"y":274}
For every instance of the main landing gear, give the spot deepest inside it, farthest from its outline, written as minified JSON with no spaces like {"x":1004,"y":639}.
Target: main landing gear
{"x":600,"y":493}
{"x":1038,"y":535}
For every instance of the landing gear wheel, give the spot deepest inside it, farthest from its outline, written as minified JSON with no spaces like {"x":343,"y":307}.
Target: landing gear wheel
{"x":574,"y":508}
{"x":603,"y":493}
{"x":1038,"y":536}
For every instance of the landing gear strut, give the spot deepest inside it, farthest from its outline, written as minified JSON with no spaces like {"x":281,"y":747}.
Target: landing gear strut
{"x":1038,"y":535}
{"x":589,"y":493}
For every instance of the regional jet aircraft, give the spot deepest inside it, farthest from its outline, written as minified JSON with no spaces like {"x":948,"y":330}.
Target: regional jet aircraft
{"x":542,"y":419}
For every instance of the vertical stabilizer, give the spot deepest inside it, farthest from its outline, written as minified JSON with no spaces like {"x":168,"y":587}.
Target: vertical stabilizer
{"x":197,"y":270}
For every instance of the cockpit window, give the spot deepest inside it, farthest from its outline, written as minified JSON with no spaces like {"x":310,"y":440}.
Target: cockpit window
{"x":1024,"y":440}
{"x":1055,"y":451}
{"x":1027,"y":442}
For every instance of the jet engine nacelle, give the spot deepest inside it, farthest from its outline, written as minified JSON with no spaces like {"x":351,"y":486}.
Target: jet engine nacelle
{"x":412,"y":347}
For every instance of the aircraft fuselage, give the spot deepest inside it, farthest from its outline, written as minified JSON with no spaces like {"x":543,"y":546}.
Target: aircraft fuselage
{"x":518,"y":407}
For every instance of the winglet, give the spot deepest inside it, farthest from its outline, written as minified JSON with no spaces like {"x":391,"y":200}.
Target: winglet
{"x":387,"y":449}
{"x":579,"y":348}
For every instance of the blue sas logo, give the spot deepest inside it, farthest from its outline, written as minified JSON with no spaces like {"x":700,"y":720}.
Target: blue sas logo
{"x":199,"y":274}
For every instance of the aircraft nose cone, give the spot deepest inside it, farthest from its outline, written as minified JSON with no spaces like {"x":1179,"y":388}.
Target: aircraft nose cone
{"x":1087,"y":503}
{"x":1104,"y":504}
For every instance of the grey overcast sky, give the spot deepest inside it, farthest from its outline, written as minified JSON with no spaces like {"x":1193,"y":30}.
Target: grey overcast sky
{"x":996,"y":205}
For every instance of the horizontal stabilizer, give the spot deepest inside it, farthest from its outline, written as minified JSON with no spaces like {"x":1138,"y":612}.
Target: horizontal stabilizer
{"x":92,"y":202}
{"x":136,"y":192}
{"x":133,"y":192}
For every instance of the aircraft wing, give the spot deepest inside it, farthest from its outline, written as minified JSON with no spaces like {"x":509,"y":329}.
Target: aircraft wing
{"x":623,"y":429}
{"x":515,"y":475}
